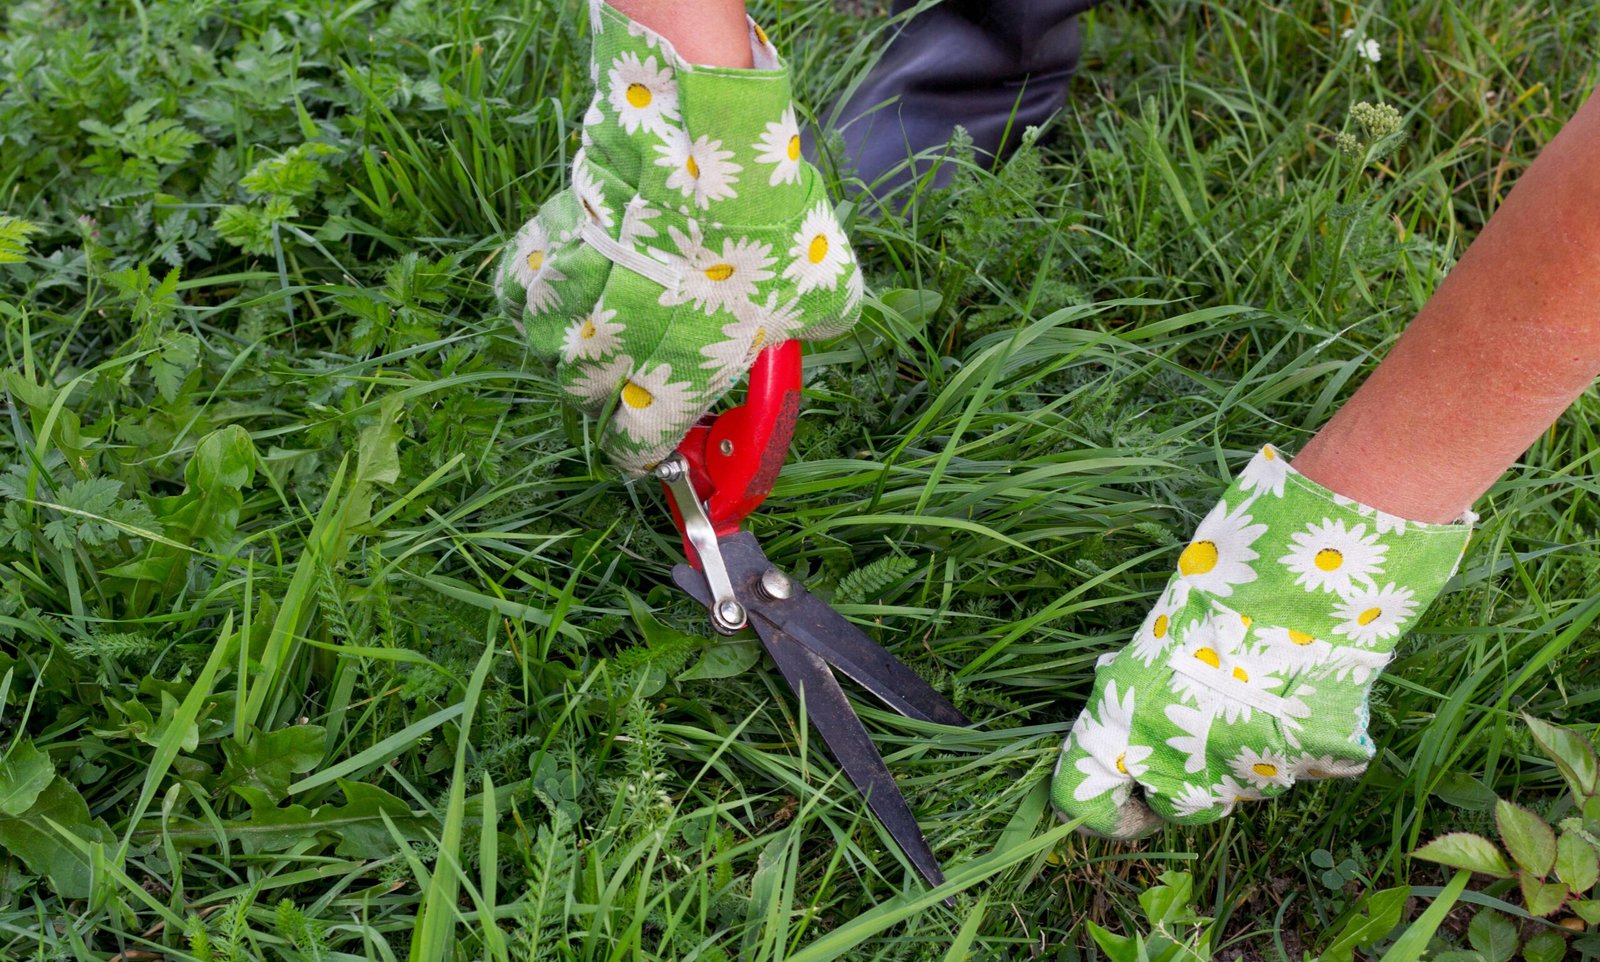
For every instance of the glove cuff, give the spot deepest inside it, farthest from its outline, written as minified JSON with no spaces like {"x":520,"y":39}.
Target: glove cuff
{"x":1314,"y":566}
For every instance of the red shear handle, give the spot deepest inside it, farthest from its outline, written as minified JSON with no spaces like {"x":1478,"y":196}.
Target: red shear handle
{"x":734,"y":457}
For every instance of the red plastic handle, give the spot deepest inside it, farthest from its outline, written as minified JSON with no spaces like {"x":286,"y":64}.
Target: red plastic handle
{"x":734,"y":457}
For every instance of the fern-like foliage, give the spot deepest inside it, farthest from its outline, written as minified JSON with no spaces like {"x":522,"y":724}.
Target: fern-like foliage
{"x":14,"y":233}
{"x":871,"y":580}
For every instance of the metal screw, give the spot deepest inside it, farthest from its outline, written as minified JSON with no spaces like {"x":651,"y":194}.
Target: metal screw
{"x":726,"y":448}
{"x":730,"y":616}
{"x":670,"y":470}
{"x":776,"y":585}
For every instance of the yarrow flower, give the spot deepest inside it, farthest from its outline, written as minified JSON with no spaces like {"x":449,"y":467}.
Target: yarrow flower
{"x":1366,"y":47}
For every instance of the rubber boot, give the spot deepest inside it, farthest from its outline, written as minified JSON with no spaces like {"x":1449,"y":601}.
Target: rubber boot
{"x":995,"y":67}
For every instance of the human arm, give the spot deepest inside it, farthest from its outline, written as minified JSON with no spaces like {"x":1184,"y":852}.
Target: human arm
{"x":1505,"y":345}
{"x":709,"y":32}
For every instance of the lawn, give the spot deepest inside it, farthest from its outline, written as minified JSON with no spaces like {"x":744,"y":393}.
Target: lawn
{"x":326,"y":634}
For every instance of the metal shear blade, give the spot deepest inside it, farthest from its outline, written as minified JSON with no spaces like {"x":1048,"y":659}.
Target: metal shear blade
{"x":805,"y":637}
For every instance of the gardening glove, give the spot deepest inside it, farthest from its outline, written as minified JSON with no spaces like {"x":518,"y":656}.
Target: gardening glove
{"x":1254,"y":667}
{"x":692,"y":235}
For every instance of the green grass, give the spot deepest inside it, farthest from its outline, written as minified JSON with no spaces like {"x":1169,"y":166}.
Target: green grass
{"x":340,"y":643}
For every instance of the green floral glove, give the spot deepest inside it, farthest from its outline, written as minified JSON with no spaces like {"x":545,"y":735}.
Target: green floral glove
{"x":1253,"y":668}
{"x":693,"y":234}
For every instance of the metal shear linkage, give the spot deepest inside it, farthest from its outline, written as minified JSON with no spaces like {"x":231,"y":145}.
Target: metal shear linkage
{"x":721,"y":472}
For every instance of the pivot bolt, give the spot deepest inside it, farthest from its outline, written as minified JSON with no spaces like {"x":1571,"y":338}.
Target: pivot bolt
{"x":670,"y":470}
{"x":776,"y":585}
{"x":730,"y":616}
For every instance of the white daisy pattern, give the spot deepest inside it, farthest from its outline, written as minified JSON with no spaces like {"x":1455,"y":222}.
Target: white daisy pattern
{"x":592,"y":336}
{"x":1196,"y":727}
{"x":652,"y":403}
{"x":636,"y":217}
{"x":780,"y":148}
{"x":1263,"y":769}
{"x":1229,"y":793}
{"x":533,"y":267}
{"x":1326,"y":766}
{"x":1218,"y":558}
{"x":1370,"y":615}
{"x":1156,"y":634}
{"x":1193,"y":800}
{"x":820,"y":251}
{"x":1328,"y":556}
{"x":1266,"y":473}
{"x":595,"y":383}
{"x":590,"y":194}
{"x":644,"y":96}
{"x":698,"y":167}
{"x":1112,"y":762}
{"x":717,"y":280}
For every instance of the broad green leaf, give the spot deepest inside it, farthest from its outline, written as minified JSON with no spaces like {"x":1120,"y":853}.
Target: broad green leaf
{"x":1527,"y":837}
{"x":378,"y":448}
{"x":355,"y":829}
{"x":30,"y":837}
{"x":1466,"y":850}
{"x":1586,"y":909}
{"x":1464,"y":792}
{"x":1492,"y":935}
{"x":225,"y":458}
{"x":1458,"y":955}
{"x":1541,"y":897}
{"x":1380,"y":913}
{"x":1117,"y":948}
{"x":1169,"y":902}
{"x":1545,"y":947}
{"x":23,"y":775}
{"x":1577,"y":862}
{"x":1572,"y":754}
{"x":724,"y":659}
{"x":269,"y":761}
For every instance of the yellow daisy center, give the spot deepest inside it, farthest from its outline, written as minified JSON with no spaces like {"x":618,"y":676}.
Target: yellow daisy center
{"x":1199,"y":558}
{"x":1318,"y":773}
{"x":536,"y":261}
{"x":761,"y":35}
{"x":1209,"y":656}
{"x":638,"y":96}
{"x":794,"y":147}
{"x":1160,"y":629}
{"x":636,"y":397}
{"x":1240,"y":673}
{"x":1329,"y":559}
{"x":719,"y":272}
{"x":1300,"y":637}
{"x":818,"y":249}
{"x":692,"y":167}
{"x":1247,"y":620}
{"x":1269,"y":453}
{"x":587,"y":330}
{"x":1122,"y":765}
{"x":759,"y":340}
{"x":1369,"y":616}
{"x":1265,"y":769}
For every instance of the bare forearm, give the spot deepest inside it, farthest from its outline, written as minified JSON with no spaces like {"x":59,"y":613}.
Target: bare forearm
{"x":710,"y":32}
{"x":1507,"y":342}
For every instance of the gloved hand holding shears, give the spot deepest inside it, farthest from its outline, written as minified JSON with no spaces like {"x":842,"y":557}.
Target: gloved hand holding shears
{"x":695,"y":242}
{"x":692,"y":235}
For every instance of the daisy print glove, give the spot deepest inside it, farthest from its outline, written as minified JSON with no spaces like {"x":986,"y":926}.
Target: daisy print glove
{"x":692,"y":235}
{"x":1253,"y":668}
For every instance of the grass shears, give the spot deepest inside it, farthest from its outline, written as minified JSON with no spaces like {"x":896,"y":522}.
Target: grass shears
{"x":722,"y":470}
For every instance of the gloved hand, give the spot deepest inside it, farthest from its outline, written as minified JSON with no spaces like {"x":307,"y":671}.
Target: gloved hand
{"x":692,"y":235}
{"x":1253,"y":668}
